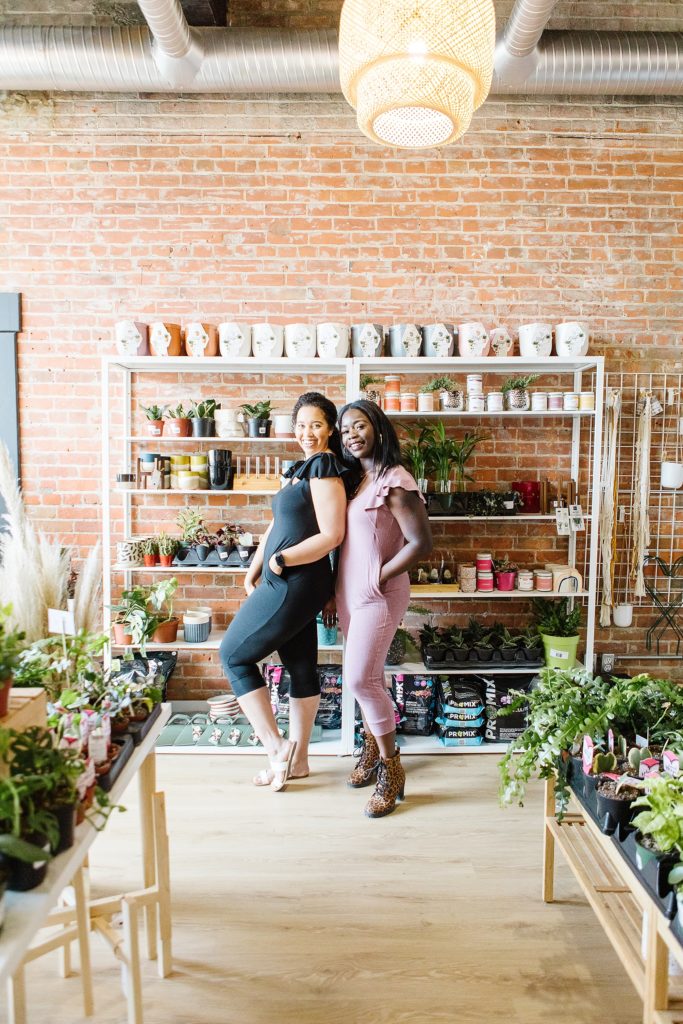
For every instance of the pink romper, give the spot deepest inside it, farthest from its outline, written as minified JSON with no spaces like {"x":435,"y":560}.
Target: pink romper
{"x":370,"y":614}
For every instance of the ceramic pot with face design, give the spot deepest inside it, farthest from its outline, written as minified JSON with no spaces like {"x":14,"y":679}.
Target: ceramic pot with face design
{"x":132,"y":338}
{"x":300,"y":341}
{"x":405,"y":341}
{"x":164,"y":339}
{"x":333,"y":341}
{"x":201,"y":340}
{"x":501,"y":342}
{"x":234,"y":340}
{"x":473,"y":340}
{"x":267,"y":340}
{"x":367,"y":340}
{"x":439,"y":340}
{"x":571,"y":339}
{"x":535,"y":340}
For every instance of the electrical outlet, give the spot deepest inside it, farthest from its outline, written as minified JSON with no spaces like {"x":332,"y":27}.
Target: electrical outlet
{"x":607,"y":662}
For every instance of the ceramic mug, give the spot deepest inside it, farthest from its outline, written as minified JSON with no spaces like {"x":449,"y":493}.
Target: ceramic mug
{"x":535,"y":340}
{"x":300,"y":341}
{"x":571,"y":339}
{"x":367,"y":340}
{"x":132,"y":338}
{"x":501,"y":341}
{"x":473,"y":339}
{"x":439,"y":340}
{"x":234,"y":340}
{"x":164,"y":339}
{"x":405,"y":340}
{"x":333,"y":341}
{"x":267,"y":340}
{"x":201,"y":340}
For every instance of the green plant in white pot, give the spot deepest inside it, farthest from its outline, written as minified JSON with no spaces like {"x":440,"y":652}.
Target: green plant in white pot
{"x":558,"y":625}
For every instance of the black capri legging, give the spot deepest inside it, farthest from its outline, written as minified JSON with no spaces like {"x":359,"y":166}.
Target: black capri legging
{"x":279,"y":615}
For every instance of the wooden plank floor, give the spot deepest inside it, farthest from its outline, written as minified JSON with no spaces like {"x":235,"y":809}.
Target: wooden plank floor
{"x":296,"y":909}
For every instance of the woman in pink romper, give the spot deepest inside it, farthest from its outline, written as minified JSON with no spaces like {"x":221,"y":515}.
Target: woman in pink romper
{"x":387,"y":532}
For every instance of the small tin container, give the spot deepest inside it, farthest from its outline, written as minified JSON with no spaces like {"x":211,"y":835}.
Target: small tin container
{"x":392,"y":403}
{"x":474,"y":384}
{"x":475,"y":403}
{"x":539,"y":401}
{"x":570,"y":401}
{"x":543,"y":579}
{"x":525,"y":579}
{"x":484,"y":562}
{"x":484,"y":581}
{"x":494,"y":401}
{"x":408,"y":401}
{"x":586,"y":400}
{"x":555,"y":400}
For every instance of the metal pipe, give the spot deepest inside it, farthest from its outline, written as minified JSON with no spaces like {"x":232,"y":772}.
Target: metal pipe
{"x":168,"y":25}
{"x":525,"y":26}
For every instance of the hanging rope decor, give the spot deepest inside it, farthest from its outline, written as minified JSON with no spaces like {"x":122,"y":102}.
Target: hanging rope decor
{"x":608,"y":478}
{"x":416,"y":70}
{"x":641,"y":497}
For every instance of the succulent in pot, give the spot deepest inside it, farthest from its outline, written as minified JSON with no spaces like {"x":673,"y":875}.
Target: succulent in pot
{"x":449,"y":394}
{"x":167,"y":547}
{"x":505,"y":573}
{"x":178,"y":423}
{"x":191,"y":524}
{"x":558,"y":625}
{"x":516,"y":394}
{"x":257,"y":417}
{"x":155,"y":419}
{"x":203,"y":417}
{"x":397,"y":648}
{"x":508,"y":645}
{"x":150,"y":551}
{"x":368,"y":391}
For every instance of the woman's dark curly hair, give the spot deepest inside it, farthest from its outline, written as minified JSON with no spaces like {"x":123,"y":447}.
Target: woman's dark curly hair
{"x":329,"y":411}
{"x":387,"y":451}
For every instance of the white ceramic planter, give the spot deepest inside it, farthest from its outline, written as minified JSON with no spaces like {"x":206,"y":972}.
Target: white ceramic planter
{"x":333,"y":341}
{"x":405,"y":341}
{"x":234,"y":340}
{"x":672,"y":475}
{"x":227,"y":423}
{"x":367,"y":340}
{"x":623,"y":615}
{"x":267,"y":340}
{"x":535,"y":340}
{"x":300,"y":341}
{"x":438,"y":340}
{"x":282,"y":425}
{"x":571,"y":339}
{"x":473,"y":340}
{"x":131,"y":338}
{"x":501,"y":341}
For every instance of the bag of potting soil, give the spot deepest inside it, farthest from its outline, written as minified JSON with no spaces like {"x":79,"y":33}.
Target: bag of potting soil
{"x":415,"y":697}
{"x":460,"y":697}
{"x":451,"y":736}
{"x":504,"y":729}
{"x":329,"y":712}
{"x":454,"y":721}
{"x":158,"y":665}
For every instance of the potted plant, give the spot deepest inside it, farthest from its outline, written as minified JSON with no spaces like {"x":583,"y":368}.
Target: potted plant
{"x":457,"y":644}
{"x":367,"y":391}
{"x":416,"y":457}
{"x":167,"y":547}
{"x":178,"y":423}
{"x":203,"y":417}
{"x":150,"y":551}
{"x":133,"y":624}
{"x":511,"y":501}
{"x":396,"y":654}
{"x":160,"y":601}
{"x":257,"y":417}
{"x":155,"y":419}
{"x":26,"y":834}
{"x":530,"y":645}
{"x":450,"y":396}
{"x":12,"y":644}
{"x":508,"y":645}
{"x":516,"y":394}
{"x":659,"y":837}
{"x":558,"y":625}
{"x":426,"y":399}
{"x":191,"y":524}
{"x":432,"y":643}
{"x":504,"y":573}
{"x":461,"y":452}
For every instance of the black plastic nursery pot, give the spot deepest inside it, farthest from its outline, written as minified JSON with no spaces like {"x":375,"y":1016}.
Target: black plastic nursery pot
{"x":448,"y":503}
{"x":575,"y":775}
{"x":484,"y":653}
{"x":652,"y":869}
{"x":22,"y":876}
{"x":259,"y":427}
{"x":138,"y":730}
{"x":66,"y":819}
{"x":203,"y":427}
{"x":202,"y":551}
{"x":125,"y":742}
{"x":613,"y":813}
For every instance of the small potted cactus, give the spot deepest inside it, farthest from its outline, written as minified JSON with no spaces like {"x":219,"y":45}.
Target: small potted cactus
{"x":167,"y":547}
{"x":155,"y":419}
{"x":150,"y":551}
{"x":178,"y":423}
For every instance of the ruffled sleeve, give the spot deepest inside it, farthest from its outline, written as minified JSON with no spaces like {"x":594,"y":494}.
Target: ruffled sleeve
{"x":318,"y":467}
{"x":397,"y":476}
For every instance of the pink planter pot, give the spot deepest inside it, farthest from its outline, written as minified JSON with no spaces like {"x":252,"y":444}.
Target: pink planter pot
{"x":506,"y":580}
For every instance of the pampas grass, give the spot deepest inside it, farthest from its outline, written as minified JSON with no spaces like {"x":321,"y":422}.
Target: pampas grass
{"x":34,"y":570}
{"x":87,"y":597}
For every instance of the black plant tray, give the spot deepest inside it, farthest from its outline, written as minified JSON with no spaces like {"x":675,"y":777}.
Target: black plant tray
{"x":654,"y":875}
{"x":138,"y":730}
{"x":495,"y":661}
{"x":105,"y":782}
{"x":213,"y":559}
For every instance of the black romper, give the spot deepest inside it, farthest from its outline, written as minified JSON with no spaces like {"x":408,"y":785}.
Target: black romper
{"x":279,"y":615}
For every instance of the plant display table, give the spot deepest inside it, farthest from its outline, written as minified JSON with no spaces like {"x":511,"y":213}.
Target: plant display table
{"x":621,"y":904}
{"x":29,"y":912}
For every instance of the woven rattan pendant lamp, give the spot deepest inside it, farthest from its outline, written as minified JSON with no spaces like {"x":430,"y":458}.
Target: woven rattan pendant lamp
{"x":416,"y":70}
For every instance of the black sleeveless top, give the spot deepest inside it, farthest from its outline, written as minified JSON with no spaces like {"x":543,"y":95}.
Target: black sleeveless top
{"x":294,"y":516}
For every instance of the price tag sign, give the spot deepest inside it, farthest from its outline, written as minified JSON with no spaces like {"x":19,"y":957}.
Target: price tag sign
{"x":59,"y":621}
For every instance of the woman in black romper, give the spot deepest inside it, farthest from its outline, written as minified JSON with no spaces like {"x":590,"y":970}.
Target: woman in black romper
{"x":293,"y":566}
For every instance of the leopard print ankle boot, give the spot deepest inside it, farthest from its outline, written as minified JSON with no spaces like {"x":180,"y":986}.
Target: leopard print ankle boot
{"x":365,"y":771}
{"x":391,"y":781}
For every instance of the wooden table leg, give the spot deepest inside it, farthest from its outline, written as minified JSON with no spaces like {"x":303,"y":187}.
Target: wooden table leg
{"x":16,"y":998}
{"x":132,"y":975}
{"x":164,"y":885}
{"x":147,"y":785}
{"x":656,"y":995}
{"x":83,"y":927}
{"x":548,"y":843}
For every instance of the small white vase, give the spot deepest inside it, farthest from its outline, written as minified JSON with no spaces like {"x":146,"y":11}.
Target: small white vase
{"x":473,"y":340}
{"x":234,"y":340}
{"x":623,"y":615}
{"x":571,"y":339}
{"x":671,"y":475}
{"x":267,"y":340}
{"x":333,"y":341}
{"x":535,"y":340}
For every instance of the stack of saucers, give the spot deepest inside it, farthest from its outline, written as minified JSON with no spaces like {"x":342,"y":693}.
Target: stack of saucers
{"x":223,"y":704}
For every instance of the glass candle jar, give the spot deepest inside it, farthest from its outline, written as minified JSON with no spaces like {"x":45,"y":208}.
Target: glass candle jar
{"x":586,"y":400}
{"x":543,"y":579}
{"x":539,"y":401}
{"x":425,"y":401}
{"x":570,"y":401}
{"x":555,"y":400}
{"x":494,"y":401}
{"x":392,"y":403}
{"x":525,"y":579}
{"x":484,"y":581}
{"x":408,"y":401}
{"x":392,"y":385}
{"x":484,"y":562}
{"x":475,"y":403}
{"x":474,"y":384}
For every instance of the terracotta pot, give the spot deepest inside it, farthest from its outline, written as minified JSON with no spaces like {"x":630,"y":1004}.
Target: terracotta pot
{"x":165,"y":559}
{"x":178,"y":426}
{"x":166,"y":633}
{"x":201,"y":340}
{"x":164,"y":339}
{"x":120,"y":635}
{"x":149,"y":560}
{"x":5,"y":685}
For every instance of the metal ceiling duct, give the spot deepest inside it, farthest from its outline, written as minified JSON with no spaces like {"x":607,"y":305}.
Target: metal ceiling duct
{"x":525,"y":25}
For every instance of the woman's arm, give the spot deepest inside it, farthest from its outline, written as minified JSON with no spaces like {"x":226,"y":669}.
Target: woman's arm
{"x":255,"y":569}
{"x":329,"y":502}
{"x":409,"y":511}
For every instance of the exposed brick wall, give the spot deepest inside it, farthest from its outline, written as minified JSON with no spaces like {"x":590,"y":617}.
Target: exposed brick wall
{"x":201,"y":207}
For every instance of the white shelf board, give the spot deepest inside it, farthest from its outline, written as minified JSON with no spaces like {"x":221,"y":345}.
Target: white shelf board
{"x":437,"y":592}
{"x":212,"y":644}
{"x":417,"y":668}
{"x":494,"y":364}
{"x":328,"y":746}
{"x":445,"y":414}
{"x":409,"y":745}
{"x":178,"y":490}
{"x":217,"y":364}
{"x":169,"y":439}
{"x":530,"y":518}
{"x":229,"y":570}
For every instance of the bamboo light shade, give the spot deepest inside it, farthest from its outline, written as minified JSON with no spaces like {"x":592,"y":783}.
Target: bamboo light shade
{"x":416,"y":70}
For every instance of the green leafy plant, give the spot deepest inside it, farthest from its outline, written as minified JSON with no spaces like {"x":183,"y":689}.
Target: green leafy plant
{"x":445,"y":453}
{"x":415,"y":453}
{"x":662,"y":816}
{"x":440,"y":384}
{"x":153,"y":412}
{"x":177,"y":413}
{"x":142,"y":609}
{"x":161,"y":598}
{"x":35,"y":751}
{"x":508,"y":640}
{"x":556,"y":618}
{"x":366,"y":379}
{"x":191,"y":524}
{"x":504,"y":564}
{"x":167,"y":545}
{"x":12,"y":645}
{"x":519,"y":383}
{"x":203,"y":410}
{"x":257,"y":411}
{"x":24,"y":826}
{"x":59,"y":662}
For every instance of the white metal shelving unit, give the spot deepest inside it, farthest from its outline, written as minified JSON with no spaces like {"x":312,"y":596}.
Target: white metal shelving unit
{"x":351,"y":370}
